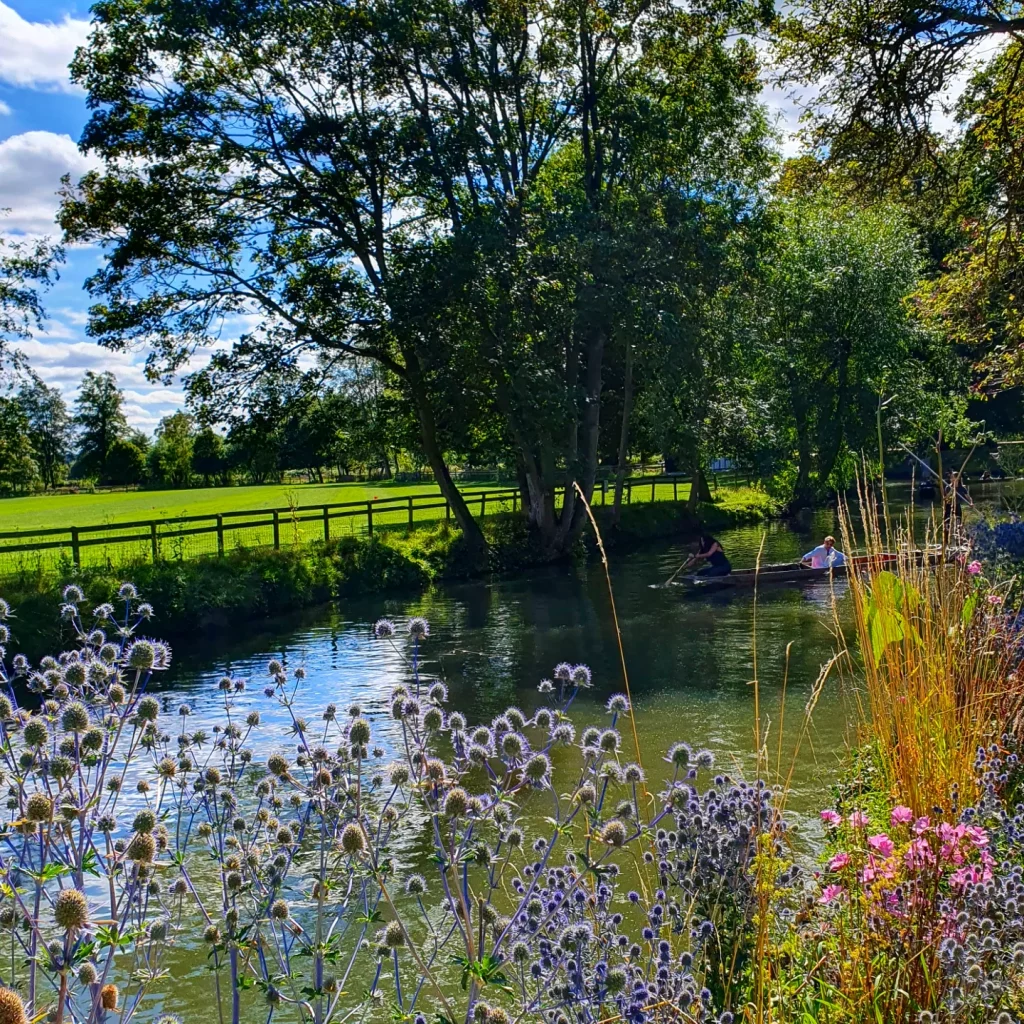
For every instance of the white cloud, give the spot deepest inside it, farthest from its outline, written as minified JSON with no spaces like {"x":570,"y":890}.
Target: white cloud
{"x":31,"y":166}
{"x":4,"y":109}
{"x":35,"y":54}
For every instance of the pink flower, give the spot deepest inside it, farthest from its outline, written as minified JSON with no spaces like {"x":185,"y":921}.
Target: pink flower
{"x":829,"y":893}
{"x":918,"y":854}
{"x":882,"y":845}
{"x":839,"y":861}
{"x":977,"y":835}
{"x":922,"y":825}
{"x":901,"y":815}
{"x":831,"y":817}
{"x":974,"y":567}
{"x":859,"y":819}
{"x":994,"y":599}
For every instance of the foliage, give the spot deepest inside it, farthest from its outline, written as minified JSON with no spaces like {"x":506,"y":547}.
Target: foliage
{"x":832,"y":337}
{"x":209,"y":455}
{"x":100,"y":419}
{"x":170,"y":458}
{"x":26,"y":268}
{"x":49,"y":429}
{"x":126,"y":463}
{"x":18,"y":467}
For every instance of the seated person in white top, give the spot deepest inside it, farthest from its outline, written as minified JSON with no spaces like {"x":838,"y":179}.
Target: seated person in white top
{"x":825,"y":555}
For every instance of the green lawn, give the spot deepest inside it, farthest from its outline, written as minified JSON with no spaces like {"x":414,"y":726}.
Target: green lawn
{"x":46,"y":511}
{"x":116,"y":544}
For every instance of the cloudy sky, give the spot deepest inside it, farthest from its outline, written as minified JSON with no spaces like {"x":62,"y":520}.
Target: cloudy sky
{"x":41,"y":118}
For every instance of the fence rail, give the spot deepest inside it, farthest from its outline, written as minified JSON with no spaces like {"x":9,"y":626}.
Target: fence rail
{"x":216,"y":533}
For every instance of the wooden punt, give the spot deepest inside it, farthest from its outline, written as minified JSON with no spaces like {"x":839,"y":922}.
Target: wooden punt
{"x":789,"y":572}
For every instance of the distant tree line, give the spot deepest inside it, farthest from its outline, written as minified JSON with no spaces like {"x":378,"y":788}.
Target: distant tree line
{"x":348,"y":428}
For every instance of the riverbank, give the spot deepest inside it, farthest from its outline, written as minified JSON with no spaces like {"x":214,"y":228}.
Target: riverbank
{"x":210,"y":594}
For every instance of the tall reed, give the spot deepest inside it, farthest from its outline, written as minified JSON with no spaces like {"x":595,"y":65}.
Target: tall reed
{"x":937,"y":680}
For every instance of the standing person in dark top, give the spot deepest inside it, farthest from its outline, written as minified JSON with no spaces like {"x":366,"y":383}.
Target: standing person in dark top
{"x":710,"y":551}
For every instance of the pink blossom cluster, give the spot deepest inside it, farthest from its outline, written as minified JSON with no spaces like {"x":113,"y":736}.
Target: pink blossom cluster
{"x":957,"y":854}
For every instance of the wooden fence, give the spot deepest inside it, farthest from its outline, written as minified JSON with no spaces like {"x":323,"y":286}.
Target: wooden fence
{"x":194,"y":536}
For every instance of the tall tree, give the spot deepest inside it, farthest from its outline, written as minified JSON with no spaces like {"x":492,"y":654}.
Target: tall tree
{"x":50,"y":429}
{"x":883,"y":72}
{"x":100,"y":419}
{"x":344,"y":175}
{"x":209,"y":455}
{"x":17,"y":462}
{"x":170,"y":458}
{"x":832,"y":327}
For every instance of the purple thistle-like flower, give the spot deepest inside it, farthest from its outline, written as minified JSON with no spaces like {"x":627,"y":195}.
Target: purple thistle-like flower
{"x":383,"y":628}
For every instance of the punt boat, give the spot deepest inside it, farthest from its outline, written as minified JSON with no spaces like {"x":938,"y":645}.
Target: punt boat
{"x":794,"y":572}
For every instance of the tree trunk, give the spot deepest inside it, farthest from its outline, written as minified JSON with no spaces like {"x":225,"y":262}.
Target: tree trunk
{"x":627,"y":410}
{"x":574,"y":516}
{"x":435,"y":457}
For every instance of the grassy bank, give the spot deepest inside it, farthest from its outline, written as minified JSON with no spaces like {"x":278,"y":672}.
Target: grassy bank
{"x":248,"y":584}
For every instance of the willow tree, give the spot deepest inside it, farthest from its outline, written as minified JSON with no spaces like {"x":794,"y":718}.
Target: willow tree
{"x":337,"y":173}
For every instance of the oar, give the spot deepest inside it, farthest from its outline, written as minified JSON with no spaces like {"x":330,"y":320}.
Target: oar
{"x":685,"y":565}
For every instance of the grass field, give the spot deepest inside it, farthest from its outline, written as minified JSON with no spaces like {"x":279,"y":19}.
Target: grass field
{"x":50,"y":511}
{"x":116,"y":544}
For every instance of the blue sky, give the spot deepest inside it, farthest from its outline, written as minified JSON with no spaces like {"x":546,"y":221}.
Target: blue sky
{"x":41,"y":118}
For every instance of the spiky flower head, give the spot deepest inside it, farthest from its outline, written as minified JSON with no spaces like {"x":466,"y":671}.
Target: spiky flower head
{"x":35,"y":732}
{"x":148,"y":709}
{"x":73,"y":594}
{"x":87,"y":973}
{"x":614,"y":833}
{"x":384,"y":628}
{"x":537,"y":768}
{"x":419,"y":628}
{"x":12,"y":1009}
{"x":108,"y":997}
{"x":142,"y":848}
{"x":145,"y":821}
{"x":141,"y":656}
{"x":394,"y":935}
{"x":359,"y":732}
{"x":71,"y":909}
{"x":353,"y":841}
{"x":456,"y":802}
{"x":679,"y":755}
{"x":75,"y":717}
{"x":279,"y":910}
{"x":416,"y":885}
{"x":38,"y":807}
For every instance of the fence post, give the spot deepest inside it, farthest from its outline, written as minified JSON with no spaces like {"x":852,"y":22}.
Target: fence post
{"x":675,"y":488}
{"x":154,"y":547}
{"x":369,"y":518}
{"x":410,"y":511}
{"x":604,"y":493}
{"x":654,"y":481}
{"x":277,"y":531}
{"x":75,"y":550}
{"x":483,"y":504}
{"x":447,"y":510}
{"x":629,"y":493}
{"x":220,"y":535}
{"x":515,"y":500}
{"x":327,"y":525}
